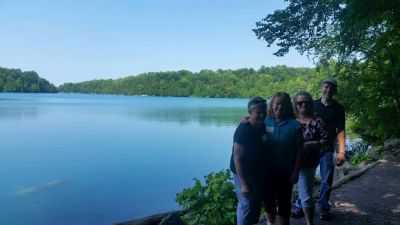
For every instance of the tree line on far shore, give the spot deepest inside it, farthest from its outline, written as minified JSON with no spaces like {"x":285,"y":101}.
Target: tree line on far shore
{"x":14,"y":80}
{"x":242,"y":83}
{"x":371,"y":112}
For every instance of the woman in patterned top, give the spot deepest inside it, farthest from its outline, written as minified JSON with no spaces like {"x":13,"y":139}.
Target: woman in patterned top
{"x":315,"y":136}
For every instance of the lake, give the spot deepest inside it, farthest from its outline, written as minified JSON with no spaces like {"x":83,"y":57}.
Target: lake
{"x":101,"y":159}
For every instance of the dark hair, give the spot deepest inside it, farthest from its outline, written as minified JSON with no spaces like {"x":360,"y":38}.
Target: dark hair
{"x":286,"y":103}
{"x":256,"y":101}
{"x":310,"y":108}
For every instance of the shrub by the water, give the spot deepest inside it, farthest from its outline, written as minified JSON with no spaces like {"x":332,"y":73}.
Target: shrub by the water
{"x":213,"y":203}
{"x":361,"y":152}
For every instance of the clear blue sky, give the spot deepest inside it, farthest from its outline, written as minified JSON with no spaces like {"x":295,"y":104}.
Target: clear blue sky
{"x":78,"y":40}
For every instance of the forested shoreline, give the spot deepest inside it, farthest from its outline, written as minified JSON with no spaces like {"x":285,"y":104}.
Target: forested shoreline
{"x":243,"y":83}
{"x":371,"y":110}
{"x":14,"y":80}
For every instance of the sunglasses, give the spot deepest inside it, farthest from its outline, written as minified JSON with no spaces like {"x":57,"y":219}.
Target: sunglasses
{"x":259,"y":101}
{"x":300,"y":103}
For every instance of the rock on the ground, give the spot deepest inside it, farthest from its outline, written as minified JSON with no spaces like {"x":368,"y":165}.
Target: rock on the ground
{"x":392,"y":143}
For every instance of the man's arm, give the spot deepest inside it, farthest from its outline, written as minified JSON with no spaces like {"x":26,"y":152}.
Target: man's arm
{"x":341,"y":156}
{"x":238,"y":151}
{"x":341,"y":137}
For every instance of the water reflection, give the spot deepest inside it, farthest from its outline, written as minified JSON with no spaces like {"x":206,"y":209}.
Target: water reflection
{"x":223,"y":116}
{"x":18,"y":113}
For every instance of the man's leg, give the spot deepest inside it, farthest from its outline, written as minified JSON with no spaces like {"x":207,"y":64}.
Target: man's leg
{"x":327,"y":168}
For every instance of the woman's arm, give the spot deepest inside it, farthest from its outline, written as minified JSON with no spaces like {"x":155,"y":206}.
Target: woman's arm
{"x":238,"y":151}
{"x":299,"y":144}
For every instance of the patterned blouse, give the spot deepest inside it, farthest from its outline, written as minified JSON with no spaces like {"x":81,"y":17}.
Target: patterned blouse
{"x":314,"y":130}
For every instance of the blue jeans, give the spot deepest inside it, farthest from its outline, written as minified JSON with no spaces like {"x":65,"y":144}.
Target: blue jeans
{"x":327,"y":167}
{"x":306,"y":187}
{"x":248,"y":209}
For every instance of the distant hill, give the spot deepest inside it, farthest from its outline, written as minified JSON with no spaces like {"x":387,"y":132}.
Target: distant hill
{"x":14,"y":80}
{"x":244,"y":82}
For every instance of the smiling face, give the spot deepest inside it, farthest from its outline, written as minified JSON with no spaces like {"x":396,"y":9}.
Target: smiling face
{"x":303,"y":104}
{"x":257,"y":114}
{"x":327,"y":90}
{"x":278,"y":108}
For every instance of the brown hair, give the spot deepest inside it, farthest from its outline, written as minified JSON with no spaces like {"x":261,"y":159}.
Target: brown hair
{"x":310,"y":108}
{"x":286,"y":103}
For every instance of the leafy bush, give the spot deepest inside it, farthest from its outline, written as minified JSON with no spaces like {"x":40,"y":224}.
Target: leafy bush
{"x":362,"y":153}
{"x":360,"y":157}
{"x":211,"y":204}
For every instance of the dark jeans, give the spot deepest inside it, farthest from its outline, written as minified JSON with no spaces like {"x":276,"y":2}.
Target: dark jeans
{"x":326,"y":168}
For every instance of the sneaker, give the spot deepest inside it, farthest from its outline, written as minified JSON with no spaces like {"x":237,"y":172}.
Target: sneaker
{"x":325,"y":215}
{"x":297,"y":213}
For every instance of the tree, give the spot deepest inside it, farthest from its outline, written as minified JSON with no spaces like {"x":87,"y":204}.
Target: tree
{"x":14,"y":80}
{"x":362,"y":36}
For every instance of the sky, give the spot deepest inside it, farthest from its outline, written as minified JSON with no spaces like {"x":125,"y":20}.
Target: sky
{"x":79,"y":40}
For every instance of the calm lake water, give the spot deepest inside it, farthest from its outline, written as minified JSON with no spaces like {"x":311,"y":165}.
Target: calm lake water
{"x":101,"y":159}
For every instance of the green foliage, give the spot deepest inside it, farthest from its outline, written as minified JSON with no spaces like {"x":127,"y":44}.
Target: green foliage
{"x":211,"y":204}
{"x":14,"y":80}
{"x":370,"y":103}
{"x":331,"y":29}
{"x":359,"y":153}
{"x":243,"y":83}
{"x":362,"y":153}
{"x":363,"y":36}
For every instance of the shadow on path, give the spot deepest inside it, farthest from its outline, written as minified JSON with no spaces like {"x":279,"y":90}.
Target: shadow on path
{"x":373,"y":198}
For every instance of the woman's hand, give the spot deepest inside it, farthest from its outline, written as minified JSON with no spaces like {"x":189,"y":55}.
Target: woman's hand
{"x":245,"y":190}
{"x":244,"y":119}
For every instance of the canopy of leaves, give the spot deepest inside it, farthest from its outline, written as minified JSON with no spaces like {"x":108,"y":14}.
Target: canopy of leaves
{"x":345,"y":29}
{"x":207,"y":83}
{"x":14,"y":80}
{"x":363,"y":37}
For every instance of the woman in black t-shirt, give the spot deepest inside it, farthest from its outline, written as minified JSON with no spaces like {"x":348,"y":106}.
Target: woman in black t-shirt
{"x":248,"y":144}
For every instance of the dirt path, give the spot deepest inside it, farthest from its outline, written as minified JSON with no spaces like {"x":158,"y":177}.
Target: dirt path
{"x":373,"y":198}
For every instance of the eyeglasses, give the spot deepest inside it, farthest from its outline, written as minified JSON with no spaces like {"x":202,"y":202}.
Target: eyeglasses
{"x":300,"y":103}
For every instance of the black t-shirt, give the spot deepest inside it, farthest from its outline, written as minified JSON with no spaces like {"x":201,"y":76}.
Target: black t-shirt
{"x":252,"y":140}
{"x":333,"y":116}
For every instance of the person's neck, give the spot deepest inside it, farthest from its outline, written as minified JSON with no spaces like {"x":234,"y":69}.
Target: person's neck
{"x":301,"y":116}
{"x":326,"y":101}
{"x":254,"y":123}
{"x":278,"y":119}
